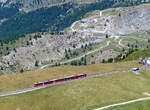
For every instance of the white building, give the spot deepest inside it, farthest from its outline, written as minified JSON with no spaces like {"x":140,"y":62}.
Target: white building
{"x":145,"y":61}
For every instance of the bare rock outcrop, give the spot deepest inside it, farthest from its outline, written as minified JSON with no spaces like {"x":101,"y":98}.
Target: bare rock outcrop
{"x":48,"y":48}
{"x":130,"y":22}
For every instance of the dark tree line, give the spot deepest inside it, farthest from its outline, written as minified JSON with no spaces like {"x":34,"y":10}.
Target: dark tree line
{"x":53,"y":19}
{"x":6,"y":12}
{"x":82,"y":61}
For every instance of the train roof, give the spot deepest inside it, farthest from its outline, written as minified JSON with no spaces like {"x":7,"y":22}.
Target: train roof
{"x":60,"y":78}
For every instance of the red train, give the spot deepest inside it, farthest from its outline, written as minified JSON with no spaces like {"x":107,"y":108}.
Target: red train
{"x":54,"y":81}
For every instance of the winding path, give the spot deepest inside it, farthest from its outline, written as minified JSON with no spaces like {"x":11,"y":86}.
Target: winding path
{"x":123,"y":103}
{"x":92,"y":17}
{"x":79,"y":57}
{"x":128,"y":102}
{"x":73,"y":30}
{"x":121,"y":43}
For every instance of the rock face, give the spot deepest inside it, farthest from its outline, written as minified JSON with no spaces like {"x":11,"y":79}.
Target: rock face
{"x":130,"y":22}
{"x":48,"y":48}
{"x":105,"y":55}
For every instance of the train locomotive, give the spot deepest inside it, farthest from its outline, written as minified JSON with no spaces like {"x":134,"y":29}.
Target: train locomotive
{"x":59,"y":80}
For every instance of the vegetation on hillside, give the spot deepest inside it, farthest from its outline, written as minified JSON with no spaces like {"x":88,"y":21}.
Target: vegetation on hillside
{"x":130,"y":55}
{"x":7,"y":12}
{"x":23,"y":41}
{"x":142,"y":105}
{"x":83,"y":94}
{"x":145,"y":53}
{"x":55,"y":18}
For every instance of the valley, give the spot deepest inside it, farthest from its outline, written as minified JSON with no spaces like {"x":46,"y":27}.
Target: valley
{"x":87,"y":41}
{"x":41,"y":17}
{"x":49,"y":39}
{"x":92,"y":92}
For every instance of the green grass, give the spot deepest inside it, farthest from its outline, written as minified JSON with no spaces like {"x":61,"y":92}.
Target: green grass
{"x":85,"y":94}
{"x":110,"y":12}
{"x":18,"y":81}
{"x":138,"y":54}
{"x":81,"y":95}
{"x":143,"y":105}
{"x":24,"y":41}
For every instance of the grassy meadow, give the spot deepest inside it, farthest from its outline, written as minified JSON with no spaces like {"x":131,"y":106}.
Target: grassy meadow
{"x":144,"y":105}
{"x":85,"y":94}
{"x":145,"y":53}
{"x":10,"y":82}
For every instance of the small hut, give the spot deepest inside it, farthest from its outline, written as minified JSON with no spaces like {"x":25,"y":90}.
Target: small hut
{"x":145,"y":61}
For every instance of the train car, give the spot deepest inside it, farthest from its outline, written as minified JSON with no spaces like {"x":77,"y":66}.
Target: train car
{"x":55,"y":81}
{"x":82,"y":75}
{"x":59,"y":80}
{"x":38,"y":84}
{"x":42,"y":83}
{"x":48,"y":82}
{"x":67,"y":78}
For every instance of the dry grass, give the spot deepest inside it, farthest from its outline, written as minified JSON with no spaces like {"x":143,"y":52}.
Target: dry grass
{"x":82,"y":94}
{"x":18,"y":81}
{"x":144,"y":105}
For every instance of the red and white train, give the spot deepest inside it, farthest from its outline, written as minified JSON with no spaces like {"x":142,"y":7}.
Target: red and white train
{"x":55,"y":81}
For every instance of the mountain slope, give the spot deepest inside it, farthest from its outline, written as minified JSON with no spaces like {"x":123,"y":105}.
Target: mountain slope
{"x":85,"y":94}
{"x":30,"y":5}
{"x":55,"y":18}
{"x":76,"y":48}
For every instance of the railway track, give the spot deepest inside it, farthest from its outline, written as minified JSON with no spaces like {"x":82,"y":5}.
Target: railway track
{"x":89,"y":76}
